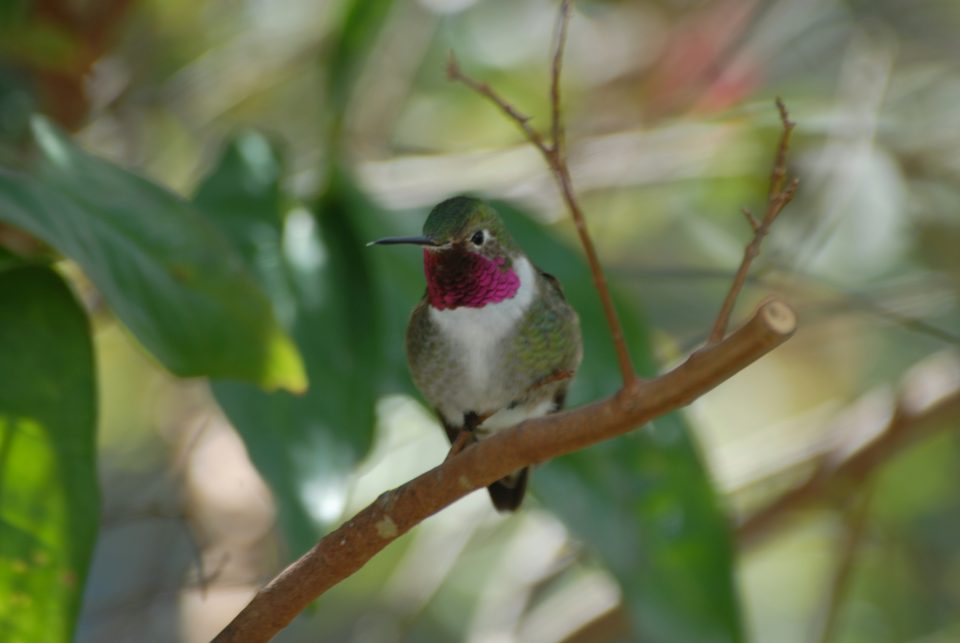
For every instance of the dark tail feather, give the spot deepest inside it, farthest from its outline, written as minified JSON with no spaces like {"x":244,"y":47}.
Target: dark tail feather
{"x":507,"y":493}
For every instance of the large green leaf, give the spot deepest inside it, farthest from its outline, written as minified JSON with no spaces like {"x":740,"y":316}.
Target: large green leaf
{"x":170,"y":276}
{"x":49,"y":503}
{"x":643,"y":503}
{"x":315,"y":268}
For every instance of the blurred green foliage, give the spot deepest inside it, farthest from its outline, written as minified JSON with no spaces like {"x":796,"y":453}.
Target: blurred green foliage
{"x":644,"y":503}
{"x":164,"y":271}
{"x":49,"y":501}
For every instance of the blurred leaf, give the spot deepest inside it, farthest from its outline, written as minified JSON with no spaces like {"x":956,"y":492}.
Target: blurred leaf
{"x":362,"y":22}
{"x":8,"y":259}
{"x":241,"y":196}
{"x":644,"y":503}
{"x":17,"y":103}
{"x":172,"y":279}
{"x":315,"y":268}
{"x":397,"y":273}
{"x":321,"y":284}
{"x":49,"y":500}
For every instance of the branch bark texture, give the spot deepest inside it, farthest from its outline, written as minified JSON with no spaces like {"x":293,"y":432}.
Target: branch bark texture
{"x":348,"y":548}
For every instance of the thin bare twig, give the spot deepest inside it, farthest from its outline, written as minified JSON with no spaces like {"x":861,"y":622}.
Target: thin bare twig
{"x":777,"y":199}
{"x":523,"y":121}
{"x":556,"y":117}
{"x":779,"y":173}
{"x":348,"y":548}
{"x":555,"y":157}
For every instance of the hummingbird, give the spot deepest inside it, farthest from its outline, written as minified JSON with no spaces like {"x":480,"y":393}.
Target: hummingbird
{"x":493,"y":341}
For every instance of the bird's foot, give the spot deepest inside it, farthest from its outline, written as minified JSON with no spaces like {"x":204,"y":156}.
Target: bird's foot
{"x":471,"y":421}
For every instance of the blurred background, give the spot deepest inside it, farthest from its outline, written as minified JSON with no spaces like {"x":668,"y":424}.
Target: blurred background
{"x":819,"y":497}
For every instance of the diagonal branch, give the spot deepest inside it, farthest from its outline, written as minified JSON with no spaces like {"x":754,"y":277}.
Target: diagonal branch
{"x":348,"y":548}
{"x":523,"y":121}
{"x":778,"y":198}
{"x":855,"y":523}
{"x":555,"y":157}
{"x":928,"y":402}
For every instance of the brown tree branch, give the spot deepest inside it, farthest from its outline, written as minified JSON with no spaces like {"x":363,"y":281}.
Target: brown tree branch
{"x":348,"y":548}
{"x":928,"y":398}
{"x":778,"y":198}
{"x":929,"y":403}
{"x":555,"y":157}
{"x":855,"y":522}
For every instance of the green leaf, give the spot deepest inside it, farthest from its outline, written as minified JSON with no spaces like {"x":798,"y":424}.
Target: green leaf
{"x":362,"y":22}
{"x":645,"y":506}
{"x":167,"y":274}
{"x":49,"y":502}
{"x":315,"y":268}
{"x":398,"y":283}
{"x":643,"y":503}
{"x":8,"y":259}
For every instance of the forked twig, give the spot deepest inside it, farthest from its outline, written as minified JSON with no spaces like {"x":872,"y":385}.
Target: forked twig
{"x":553,"y":154}
{"x":777,"y":199}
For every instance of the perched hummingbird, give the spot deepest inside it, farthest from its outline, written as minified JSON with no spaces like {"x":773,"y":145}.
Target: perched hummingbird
{"x":493,"y":342}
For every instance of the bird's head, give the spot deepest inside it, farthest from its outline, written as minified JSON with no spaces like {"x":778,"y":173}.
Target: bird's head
{"x":468,"y":255}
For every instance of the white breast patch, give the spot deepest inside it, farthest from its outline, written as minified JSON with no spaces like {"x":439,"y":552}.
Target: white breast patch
{"x":478,"y":332}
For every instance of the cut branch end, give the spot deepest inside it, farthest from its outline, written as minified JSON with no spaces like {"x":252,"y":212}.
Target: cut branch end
{"x":779,"y":317}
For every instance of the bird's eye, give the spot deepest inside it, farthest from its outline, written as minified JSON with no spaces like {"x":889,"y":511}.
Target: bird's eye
{"x":477,"y":238}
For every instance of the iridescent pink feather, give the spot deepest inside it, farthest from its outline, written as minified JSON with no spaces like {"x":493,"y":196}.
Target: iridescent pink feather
{"x":459,"y":278}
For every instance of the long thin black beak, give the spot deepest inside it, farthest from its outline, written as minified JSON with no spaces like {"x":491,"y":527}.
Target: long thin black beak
{"x":418,"y":241}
